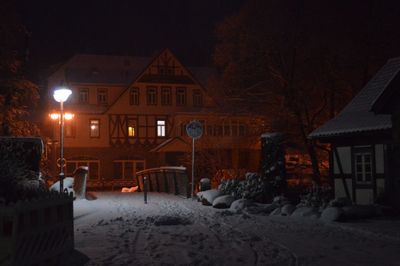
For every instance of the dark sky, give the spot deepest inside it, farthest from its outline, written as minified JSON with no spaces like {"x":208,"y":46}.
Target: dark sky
{"x":126,"y":27}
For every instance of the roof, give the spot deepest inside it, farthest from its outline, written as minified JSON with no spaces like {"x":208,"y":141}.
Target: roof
{"x":112,"y":69}
{"x":357,"y":116}
{"x":109,"y":69}
{"x":175,"y":144}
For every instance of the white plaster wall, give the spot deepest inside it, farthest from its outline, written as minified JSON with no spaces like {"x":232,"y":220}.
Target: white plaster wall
{"x":379,"y":159}
{"x":364,"y":196}
{"x":340,"y":192}
{"x":345,"y":158}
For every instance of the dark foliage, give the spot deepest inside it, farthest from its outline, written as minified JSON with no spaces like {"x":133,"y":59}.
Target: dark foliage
{"x":19,"y":169}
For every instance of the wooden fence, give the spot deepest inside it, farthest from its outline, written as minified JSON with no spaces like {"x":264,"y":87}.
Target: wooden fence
{"x":167,"y":179}
{"x":36,"y":232}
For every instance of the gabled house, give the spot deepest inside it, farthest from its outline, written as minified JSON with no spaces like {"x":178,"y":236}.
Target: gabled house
{"x":131,"y":113}
{"x":364,"y":164}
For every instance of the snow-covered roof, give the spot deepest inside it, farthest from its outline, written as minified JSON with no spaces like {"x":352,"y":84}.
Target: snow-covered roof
{"x":357,"y":116}
{"x":104,"y":69}
{"x":113,"y":69}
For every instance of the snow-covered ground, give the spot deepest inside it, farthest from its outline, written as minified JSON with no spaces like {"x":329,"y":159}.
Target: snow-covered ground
{"x":119,"y":229}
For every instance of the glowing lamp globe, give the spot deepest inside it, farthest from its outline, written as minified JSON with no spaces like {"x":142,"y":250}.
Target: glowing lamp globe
{"x":62,"y":94}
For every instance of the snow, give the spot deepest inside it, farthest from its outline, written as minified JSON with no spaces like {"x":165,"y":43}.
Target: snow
{"x":208,"y":196}
{"x":223,"y":202}
{"x":117,"y":228}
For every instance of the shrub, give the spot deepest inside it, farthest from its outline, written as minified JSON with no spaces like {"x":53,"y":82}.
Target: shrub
{"x":316,"y":196}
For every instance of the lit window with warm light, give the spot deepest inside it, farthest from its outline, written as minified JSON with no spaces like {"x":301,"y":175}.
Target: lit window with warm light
{"x":94,"y":128}
{"x":161,"y":128}
{"x":131,"y":124}
{"x":131,"y":131}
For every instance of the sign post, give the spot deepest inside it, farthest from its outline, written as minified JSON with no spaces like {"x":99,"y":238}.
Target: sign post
{"x":194,"y":130}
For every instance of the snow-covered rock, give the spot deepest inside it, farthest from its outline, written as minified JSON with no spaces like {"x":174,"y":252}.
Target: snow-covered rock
{"x":199,"y":195}
{"x":241,"y":204}
{"x":305,"y":212}
{"x":332,"y":214}
{"x":223,"y":202}
{"x":280,"y":200}
{"x":209,"y":196}
{"x":277,"y":211}
{"x":287,"y":209}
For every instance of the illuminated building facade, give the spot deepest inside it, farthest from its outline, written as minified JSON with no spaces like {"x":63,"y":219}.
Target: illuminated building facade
{"x":130,"y":114}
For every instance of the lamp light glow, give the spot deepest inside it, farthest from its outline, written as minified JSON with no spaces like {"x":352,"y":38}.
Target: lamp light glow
{"x":54,"y":116}
{"x":62,"y":94}
{"x":68,"y":116}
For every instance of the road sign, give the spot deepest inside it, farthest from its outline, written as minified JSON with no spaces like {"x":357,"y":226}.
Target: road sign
{"x":194,"y":129}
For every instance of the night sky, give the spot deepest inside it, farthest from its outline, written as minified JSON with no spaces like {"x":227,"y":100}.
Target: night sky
{"x":60,"y":29}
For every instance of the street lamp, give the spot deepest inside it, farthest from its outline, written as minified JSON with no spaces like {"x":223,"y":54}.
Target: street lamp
{"x":61,"y":95}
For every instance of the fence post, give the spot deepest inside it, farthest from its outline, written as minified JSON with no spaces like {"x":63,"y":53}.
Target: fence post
{"x":145,"y":188}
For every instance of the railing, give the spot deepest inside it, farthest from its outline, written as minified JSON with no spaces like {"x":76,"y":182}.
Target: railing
{"x":169,"y":179}
{"x":36,"y":232}
{"x":112,"y":184}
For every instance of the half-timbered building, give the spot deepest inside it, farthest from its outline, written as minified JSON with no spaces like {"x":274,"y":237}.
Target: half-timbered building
{"x":364,"y":158}
{"x":130,"y":114}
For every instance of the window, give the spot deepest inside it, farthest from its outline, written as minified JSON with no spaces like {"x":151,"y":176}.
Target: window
{"x":83,"y":95}
{"x":126,"y":169}
{"x":197,"y":98}
{"x":363,"y":167}
{"x":166,"y":96}
{"x":151,"y":96}
{"x":218,"y":130}
{"x":134,"y":96}
{"x":242,"y":130}
{"x":180,"y":96}
{"x":166,"y":70}
{"x":234,"y":128}
{"x":132,"y":128}
{"x":227,"y":130}
{"x":161,"y":128}
{"x":102,"y":96}
{"x":94,"y":167}
{"x":94,"y":128}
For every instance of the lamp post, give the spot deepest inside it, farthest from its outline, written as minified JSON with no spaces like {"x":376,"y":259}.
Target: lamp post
{"x":61,"y":95}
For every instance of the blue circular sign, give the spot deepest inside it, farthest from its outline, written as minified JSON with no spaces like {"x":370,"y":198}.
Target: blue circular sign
{"x":194,"y":129}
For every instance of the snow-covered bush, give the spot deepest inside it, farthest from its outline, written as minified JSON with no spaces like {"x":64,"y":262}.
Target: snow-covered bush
{"x":316,"y":197}
{"x":230,"y":187}
{"x":253,"y":187}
